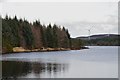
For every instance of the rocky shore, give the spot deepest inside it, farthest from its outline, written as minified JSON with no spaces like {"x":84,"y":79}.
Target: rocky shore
{"x":22,"y":50}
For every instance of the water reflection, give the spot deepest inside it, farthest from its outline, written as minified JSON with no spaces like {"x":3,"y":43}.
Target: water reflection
{"x":96,"y":62}
{"x":12,"y":69}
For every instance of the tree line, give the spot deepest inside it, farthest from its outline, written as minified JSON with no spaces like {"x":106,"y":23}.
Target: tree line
{"x":21,"y":33}
{"x":107,"y":41}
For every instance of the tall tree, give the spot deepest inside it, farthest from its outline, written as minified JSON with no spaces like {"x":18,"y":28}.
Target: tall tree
{"x":49,"y":36}
{"x":55,"y":38}
{"x":28,"y":36}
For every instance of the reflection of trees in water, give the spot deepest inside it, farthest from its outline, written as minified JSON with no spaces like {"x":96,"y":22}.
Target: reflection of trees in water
{"x":49,"y":68}
{"x":11,"y":69}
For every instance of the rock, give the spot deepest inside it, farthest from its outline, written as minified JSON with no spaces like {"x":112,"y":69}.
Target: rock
{"x":18,"y":49}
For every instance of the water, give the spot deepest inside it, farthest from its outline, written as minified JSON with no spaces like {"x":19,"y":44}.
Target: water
{"x":96,"y":62}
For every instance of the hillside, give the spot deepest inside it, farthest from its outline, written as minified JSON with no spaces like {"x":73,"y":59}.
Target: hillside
{"x":102,"y":40}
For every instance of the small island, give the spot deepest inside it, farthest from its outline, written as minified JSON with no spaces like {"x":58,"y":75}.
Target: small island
{"x":20,"y":35}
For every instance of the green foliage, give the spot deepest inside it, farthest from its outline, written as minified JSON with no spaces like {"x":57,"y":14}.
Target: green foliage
{"x":19,"y":32}
{"x":55,"y":44}
{"x":44,"y":39}
{"x":6,"y":36}
{"x":28,"y":36}
{"x":76,"y":43}
{"x":49,"y":36}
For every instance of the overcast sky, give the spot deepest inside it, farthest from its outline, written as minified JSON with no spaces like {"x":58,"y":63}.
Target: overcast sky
{"x":77,"y":17}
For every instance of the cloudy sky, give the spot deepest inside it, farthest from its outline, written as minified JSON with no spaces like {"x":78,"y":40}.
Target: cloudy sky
{"x":77,"y":17}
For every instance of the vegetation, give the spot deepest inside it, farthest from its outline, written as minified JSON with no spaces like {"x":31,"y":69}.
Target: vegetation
{"x":76,"y":43}
{"x":112,"y":40}
{"x":21,"y":33}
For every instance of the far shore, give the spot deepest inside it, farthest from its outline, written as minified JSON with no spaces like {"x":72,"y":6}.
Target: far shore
{"x":22,"y":50}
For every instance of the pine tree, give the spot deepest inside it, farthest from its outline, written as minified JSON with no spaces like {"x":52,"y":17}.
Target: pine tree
{"x":55,"y":38}
{"x":28,"y":36}
{"x":49,"y":36}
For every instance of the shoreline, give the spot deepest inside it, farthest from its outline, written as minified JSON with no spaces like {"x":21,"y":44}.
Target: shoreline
{"x":46,"y":50}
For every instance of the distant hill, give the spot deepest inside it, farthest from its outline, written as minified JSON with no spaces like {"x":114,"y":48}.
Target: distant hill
{"x":101,"y":39}
{"x":98,"y":36}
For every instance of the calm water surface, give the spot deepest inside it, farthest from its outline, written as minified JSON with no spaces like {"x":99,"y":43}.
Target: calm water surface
{"x":96,"y":62}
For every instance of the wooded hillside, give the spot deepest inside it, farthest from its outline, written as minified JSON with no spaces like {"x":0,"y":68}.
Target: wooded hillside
{"x":102,"y":40}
